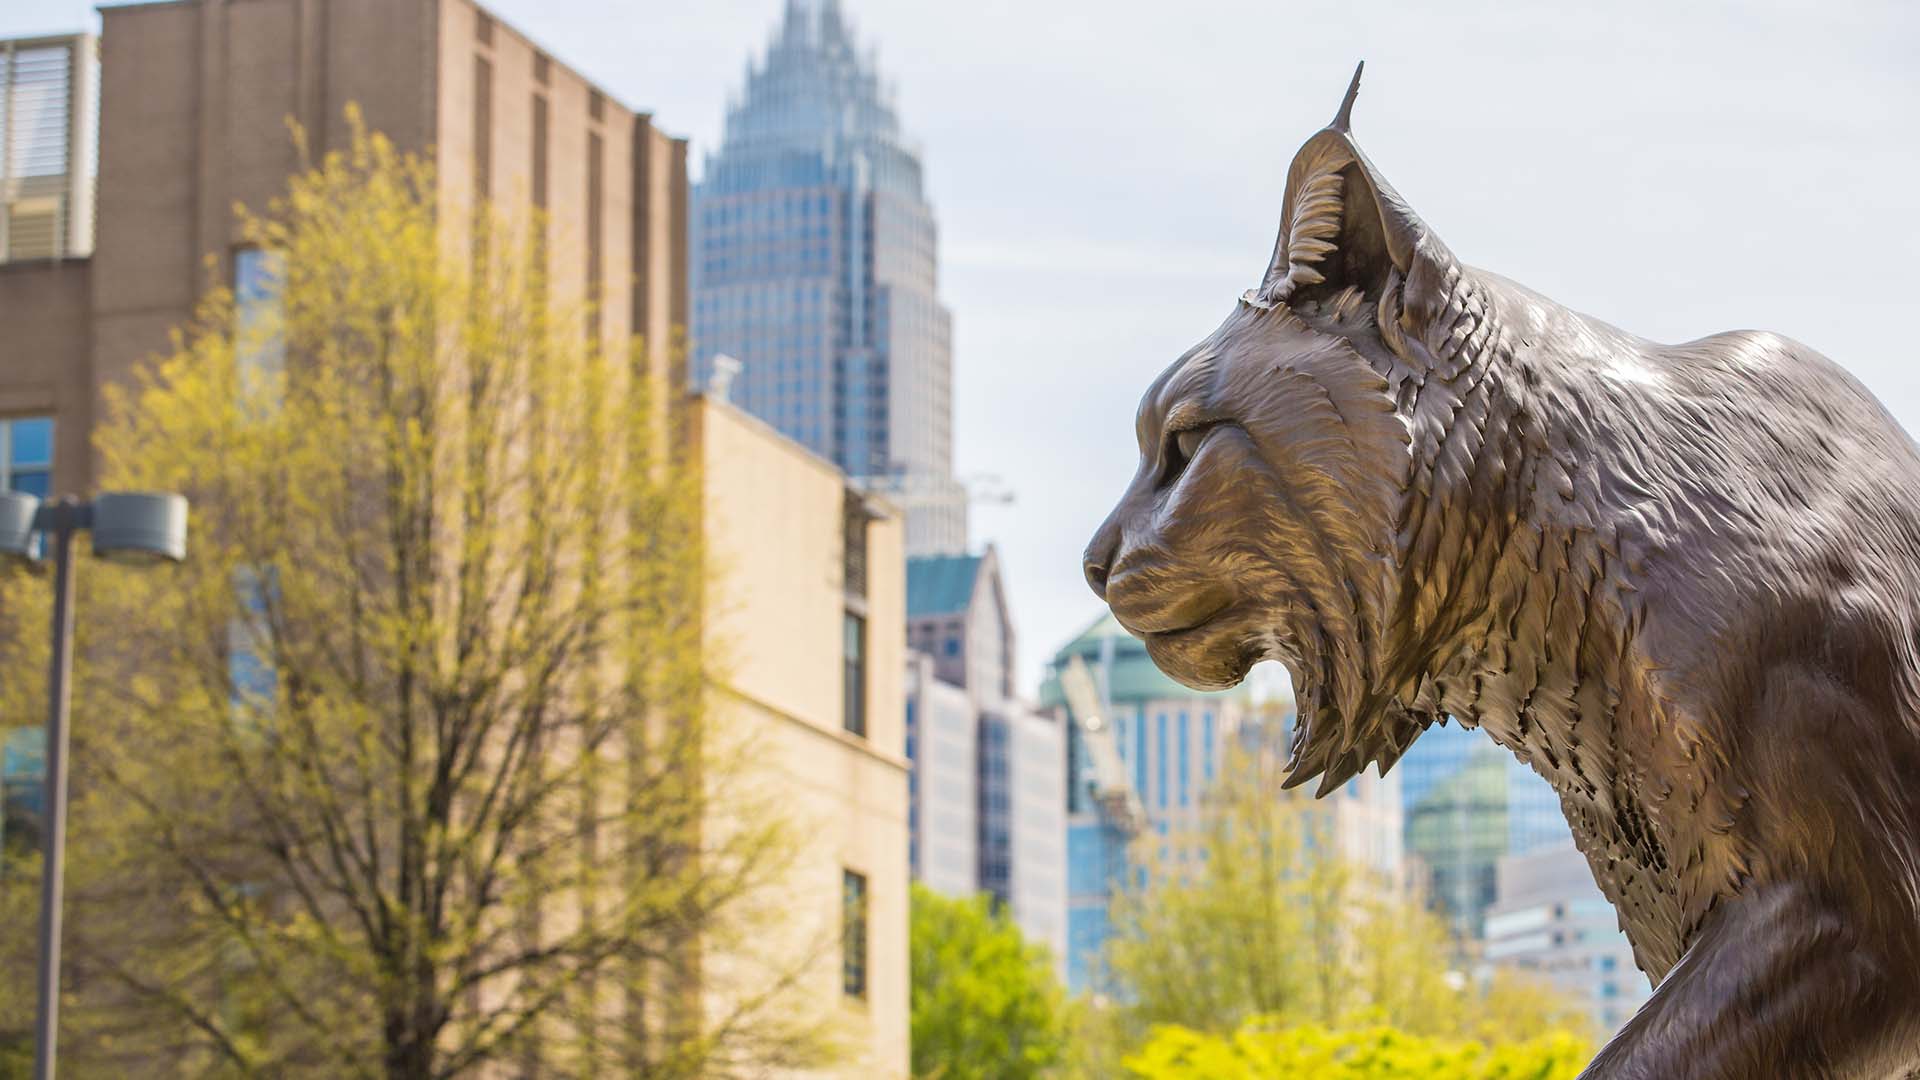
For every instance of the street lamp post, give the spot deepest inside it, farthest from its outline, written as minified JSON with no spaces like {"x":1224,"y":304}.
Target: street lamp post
{"x":127,"y":527}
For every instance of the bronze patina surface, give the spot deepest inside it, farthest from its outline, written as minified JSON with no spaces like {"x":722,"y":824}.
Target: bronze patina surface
{"x":1682,"y":582}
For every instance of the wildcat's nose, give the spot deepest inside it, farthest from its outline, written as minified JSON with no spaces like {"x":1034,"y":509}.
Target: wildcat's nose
{"x":1096,"y":571}
{"x":1097,"y":561}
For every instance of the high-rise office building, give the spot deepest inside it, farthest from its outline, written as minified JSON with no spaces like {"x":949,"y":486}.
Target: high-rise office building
{"x":814,"y":267}
{"x":1551,"y":921}
{"x":1466,"y":803}
{"x":989,"y":770}
{"x":943,"y":813}
{"x":1170,"y":742}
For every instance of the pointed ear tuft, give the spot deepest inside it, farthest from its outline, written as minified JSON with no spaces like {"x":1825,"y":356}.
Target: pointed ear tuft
{"x":1342,"y":226}
{"x":1343,"y":120}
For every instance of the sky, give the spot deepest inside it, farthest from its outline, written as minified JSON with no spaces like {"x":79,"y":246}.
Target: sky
{"x":1107,"y":180}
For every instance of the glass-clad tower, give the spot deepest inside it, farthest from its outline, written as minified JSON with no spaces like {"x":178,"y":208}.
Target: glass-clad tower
{"x":1169,"y":741}
{"x":814,"y":268}
{"x":1466,"y":803}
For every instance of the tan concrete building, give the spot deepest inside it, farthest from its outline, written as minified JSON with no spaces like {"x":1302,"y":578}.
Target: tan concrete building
{"x":194,"y":104}
{"x":809,"y":631}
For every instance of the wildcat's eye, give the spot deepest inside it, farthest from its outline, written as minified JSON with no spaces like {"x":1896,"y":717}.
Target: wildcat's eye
{"x":1188,"y":441}
{"x":1181,"y":446}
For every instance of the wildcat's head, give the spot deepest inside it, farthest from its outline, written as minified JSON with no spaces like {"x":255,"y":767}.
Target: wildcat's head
{"x":1261,"y":522}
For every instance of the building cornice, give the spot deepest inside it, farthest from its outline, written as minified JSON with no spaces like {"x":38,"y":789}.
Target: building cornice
{"x":843,"y":738}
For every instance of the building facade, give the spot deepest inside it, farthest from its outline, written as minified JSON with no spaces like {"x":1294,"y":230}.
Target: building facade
{"x":823,"y":719}
{"x":814,"y":269}
{"x":1170,"y":742}
{"x":1023,"y":820}
{"x":194,"y":99}
{"x":1551,"y":921}
{"x":1468,"y":802}
{"x":943,"y":733}
{"x":983,"y":760}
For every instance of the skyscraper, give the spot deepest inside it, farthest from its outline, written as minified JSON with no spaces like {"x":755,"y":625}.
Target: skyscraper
{"x":1169,"y":743}
{"x":989,"y":811}
{"x":1467,"y":803}
{"x":1550,"y":920}
{"x":814,"y":267}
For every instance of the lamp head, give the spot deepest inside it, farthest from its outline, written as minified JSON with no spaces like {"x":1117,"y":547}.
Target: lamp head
{"x":17,"y":536}
{"x":140,"y":527}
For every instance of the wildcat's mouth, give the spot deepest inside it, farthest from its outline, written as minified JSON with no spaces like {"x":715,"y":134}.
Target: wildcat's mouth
{"x":1177,"y":632}
{"x":1214,"y":653}
{"x":1147,"y":613}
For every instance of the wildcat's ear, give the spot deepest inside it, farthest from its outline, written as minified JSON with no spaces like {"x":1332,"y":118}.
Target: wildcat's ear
{"x":1342,"y":226}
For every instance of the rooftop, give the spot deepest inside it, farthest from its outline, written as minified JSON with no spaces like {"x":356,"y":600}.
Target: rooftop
{"x":813,"y":111}
{"x":940,"y":584}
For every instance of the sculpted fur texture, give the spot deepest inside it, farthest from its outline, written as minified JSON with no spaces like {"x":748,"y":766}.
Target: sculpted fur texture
{"x":1682,"y":582}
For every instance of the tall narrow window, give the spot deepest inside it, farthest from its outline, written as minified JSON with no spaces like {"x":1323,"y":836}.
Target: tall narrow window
{"x":251,"y":676}
{"x":596,"y":225}
{"x":540,"y":151}
{"x":26,"y":455}
{"x":482,"y":126}
{"x":853,"y":934}
{"x":1182,"y":772}
{"x":259,"y":339}
{"x":1160,"y":756}
{"x":855,"y":647}
{"x":854,"y":523}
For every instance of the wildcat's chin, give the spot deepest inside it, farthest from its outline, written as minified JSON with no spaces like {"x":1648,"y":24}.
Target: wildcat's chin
{"x":1215,"y":655}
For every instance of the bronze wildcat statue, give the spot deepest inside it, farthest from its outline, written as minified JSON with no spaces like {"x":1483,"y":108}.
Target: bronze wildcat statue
{"x":1682,"y":582}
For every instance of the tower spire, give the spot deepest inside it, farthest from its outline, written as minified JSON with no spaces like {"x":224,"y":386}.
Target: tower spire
{"x":833,"y":24}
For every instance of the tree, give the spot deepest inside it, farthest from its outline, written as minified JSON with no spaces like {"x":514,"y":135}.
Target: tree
{"x":985,"y":1005}
{"x":1258,"y":1051}
{"x":408,"y":769}
{"x":1255,"y":915}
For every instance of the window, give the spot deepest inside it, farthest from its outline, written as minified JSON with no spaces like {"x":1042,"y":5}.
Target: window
{"x":853,"y":934}
{"x":855,"y":645}
{"x":483,"y":125}
{"x":540,"y":145}
{"x":251,"y":677}
{"x":260,"y":341}
{"x":854,"y":525}
{"x":1182,"y":772}
{"x":1160,"y":756}
{"x":26,"y":455}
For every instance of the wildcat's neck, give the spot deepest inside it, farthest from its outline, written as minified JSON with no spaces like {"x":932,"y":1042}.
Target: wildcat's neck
{"x":1519,"y":607}
{"x":1511,"y":577}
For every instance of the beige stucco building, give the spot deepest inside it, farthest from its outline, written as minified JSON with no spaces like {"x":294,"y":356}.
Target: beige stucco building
{"x":194,"y":104}
{"x":810,"y":646}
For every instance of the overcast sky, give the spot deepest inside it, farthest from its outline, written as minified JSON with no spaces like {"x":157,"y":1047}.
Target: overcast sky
{"x":1107,"y":180}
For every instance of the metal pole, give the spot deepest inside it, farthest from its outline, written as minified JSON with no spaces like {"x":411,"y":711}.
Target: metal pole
{"x":55,"y":836}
